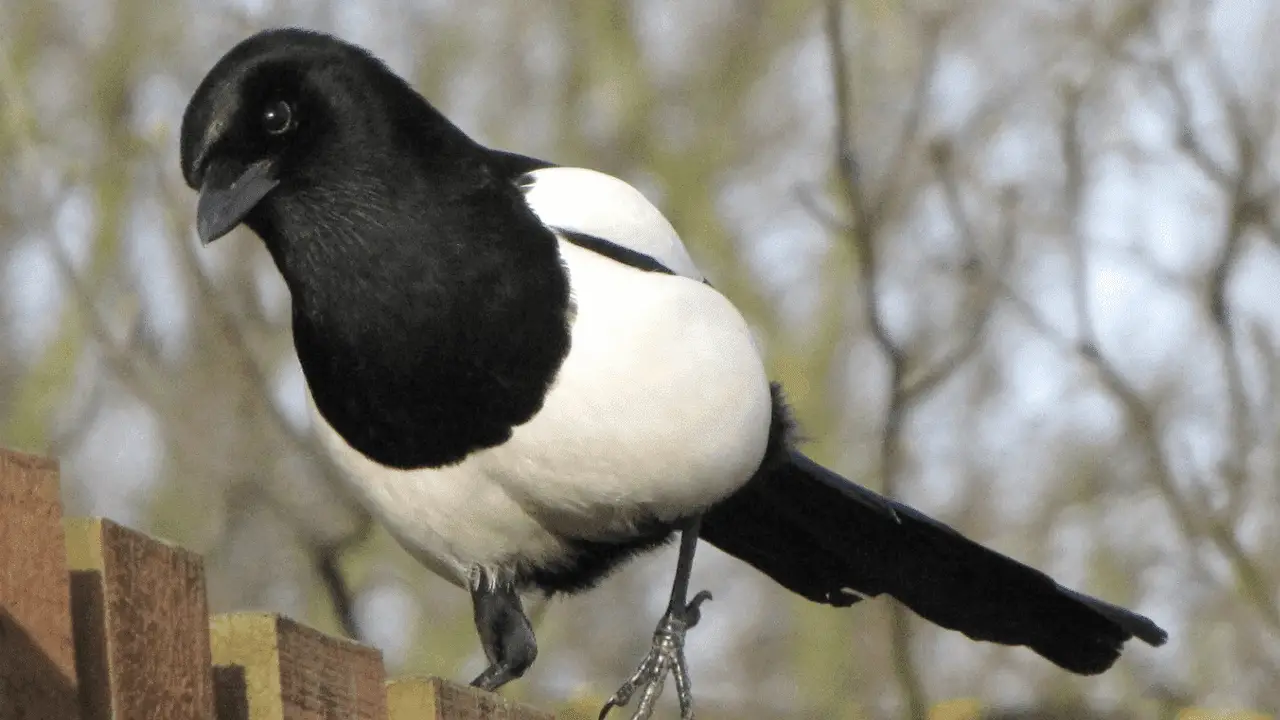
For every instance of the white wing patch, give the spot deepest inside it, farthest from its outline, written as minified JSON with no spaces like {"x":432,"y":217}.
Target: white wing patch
{"x":593,"y":203}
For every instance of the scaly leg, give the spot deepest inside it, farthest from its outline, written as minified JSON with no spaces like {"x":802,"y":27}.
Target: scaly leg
{"x":667,"y":653}
{"x":505,"y":632}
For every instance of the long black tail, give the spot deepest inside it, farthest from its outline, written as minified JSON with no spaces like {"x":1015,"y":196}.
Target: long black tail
{"x":834,"y":542}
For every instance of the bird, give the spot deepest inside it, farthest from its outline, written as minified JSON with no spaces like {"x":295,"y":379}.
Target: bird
{"x":524,"y":376}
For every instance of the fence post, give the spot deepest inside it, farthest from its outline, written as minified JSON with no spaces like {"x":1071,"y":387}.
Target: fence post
{"x":141,"y":624}
{"x":37,"y":660}
{"x":431,"y":698}
{"x":268,"y":667}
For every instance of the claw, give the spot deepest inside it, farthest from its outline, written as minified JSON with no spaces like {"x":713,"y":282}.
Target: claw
{"x":648,"y":667}
{"x":665,"y":656}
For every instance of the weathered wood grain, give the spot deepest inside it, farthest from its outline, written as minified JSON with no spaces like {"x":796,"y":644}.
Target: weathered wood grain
{"x":271,"y":668}
{"x":141,"y":624}
{"x":431,"y":698}
{"x":37,"y":660}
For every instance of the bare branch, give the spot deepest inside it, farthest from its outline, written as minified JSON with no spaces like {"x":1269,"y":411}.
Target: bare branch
{"x":1195,"y":520}
{"x":1245,"y":209}
{"x":1239,"y":433}
{"x":863,"y":236}
{"x":1073,"y":162}
{"x":810,"y":203}
{"x":909,"y":133}
{"x":1188,"y":138}
{"x":848,"y":166}
{"x":987,"y":282}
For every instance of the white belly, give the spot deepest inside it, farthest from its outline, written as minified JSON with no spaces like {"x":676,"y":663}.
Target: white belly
{"x":661,"y":408}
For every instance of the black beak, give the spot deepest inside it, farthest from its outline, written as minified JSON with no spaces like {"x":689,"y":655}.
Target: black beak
{"x":228,"y":194}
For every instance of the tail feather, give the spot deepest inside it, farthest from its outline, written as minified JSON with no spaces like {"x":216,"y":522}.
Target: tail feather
{"x":832,"y":541}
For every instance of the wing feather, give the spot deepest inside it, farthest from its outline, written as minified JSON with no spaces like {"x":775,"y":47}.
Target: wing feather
{"x":591,"y":203}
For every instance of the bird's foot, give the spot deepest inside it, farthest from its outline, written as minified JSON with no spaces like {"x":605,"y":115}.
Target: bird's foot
{"x":666,"y":656}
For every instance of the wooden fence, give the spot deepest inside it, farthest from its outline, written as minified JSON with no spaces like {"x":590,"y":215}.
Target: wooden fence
{"x":100,"y":621}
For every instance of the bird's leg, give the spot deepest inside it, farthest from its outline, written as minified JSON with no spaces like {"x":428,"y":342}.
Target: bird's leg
{"x":667,"y":653}
{"x":505,"y":632}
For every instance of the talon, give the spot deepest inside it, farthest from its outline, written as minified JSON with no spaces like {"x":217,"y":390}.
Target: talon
{"x":666,"y":655}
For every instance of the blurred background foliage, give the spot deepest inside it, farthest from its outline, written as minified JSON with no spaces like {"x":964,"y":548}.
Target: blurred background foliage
{"x":1014,"y":260}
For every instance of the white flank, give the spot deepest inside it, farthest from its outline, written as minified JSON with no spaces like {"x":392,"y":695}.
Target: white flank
{"x":661,"y":408}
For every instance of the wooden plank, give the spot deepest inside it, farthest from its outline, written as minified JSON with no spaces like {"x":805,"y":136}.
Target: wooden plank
{"x":141,"y":624}
{"x":432,"y":698}
{"x":37,"y":656}
{"x":268,"y":667}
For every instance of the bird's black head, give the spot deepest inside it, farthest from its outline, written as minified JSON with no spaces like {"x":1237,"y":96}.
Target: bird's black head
{"x":430,"y":304}
{"x":292,"y":112}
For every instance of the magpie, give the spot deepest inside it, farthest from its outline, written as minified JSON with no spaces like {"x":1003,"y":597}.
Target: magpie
{"x":527,"y":380}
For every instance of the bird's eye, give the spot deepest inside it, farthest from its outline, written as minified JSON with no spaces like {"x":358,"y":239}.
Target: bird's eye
{"x":277,"y":118}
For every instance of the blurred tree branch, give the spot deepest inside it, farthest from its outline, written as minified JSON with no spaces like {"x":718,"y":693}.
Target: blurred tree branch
{"x":1196,"y":518}
{"x":870,"y":205}
{"x":862,"y":233}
